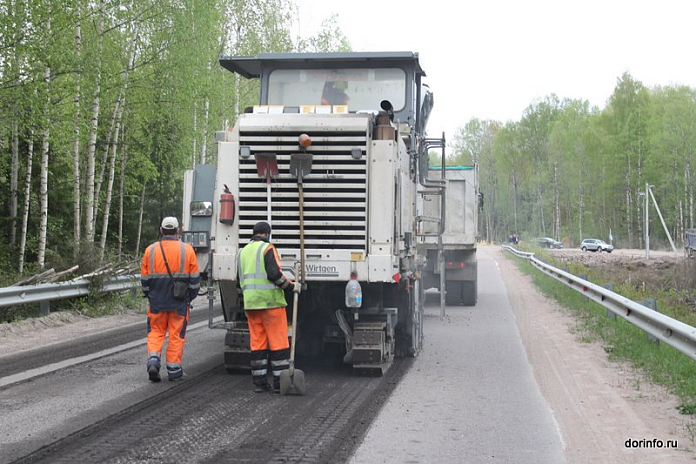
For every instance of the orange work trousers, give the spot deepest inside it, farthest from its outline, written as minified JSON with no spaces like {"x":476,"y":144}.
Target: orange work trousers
{"x":158,"y":324}
{"x":268,"y":329}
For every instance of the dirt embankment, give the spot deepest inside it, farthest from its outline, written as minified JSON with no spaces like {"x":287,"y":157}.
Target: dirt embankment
{"x":619,"y":257}
{"x":662,"y":270}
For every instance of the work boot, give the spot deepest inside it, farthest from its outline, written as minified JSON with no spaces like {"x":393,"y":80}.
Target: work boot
{"x":261,"y":387}
{"x":276,"y":384}
{"x":176,"y":373}
{"x":153,"y":368}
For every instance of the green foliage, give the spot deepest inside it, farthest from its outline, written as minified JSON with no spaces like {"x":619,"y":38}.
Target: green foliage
{"x":176,"y":97}
{"x":569,"y":171}
{"x":330,"y":38}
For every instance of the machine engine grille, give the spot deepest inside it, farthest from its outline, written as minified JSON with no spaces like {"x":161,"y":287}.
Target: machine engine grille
{"x":335,"y":192}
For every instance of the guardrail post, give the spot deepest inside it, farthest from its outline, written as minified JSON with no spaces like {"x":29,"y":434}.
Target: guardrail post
{"x":610,"y":314}
{"x":652,"y":304}
{"x":45,"y":308}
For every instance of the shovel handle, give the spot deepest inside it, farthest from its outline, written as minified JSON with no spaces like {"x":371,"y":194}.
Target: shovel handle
{"x":302,"y":250}
{"x":295,"y":298}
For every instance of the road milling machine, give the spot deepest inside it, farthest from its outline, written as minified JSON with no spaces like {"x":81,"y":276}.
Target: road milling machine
{"x":332,"y":158}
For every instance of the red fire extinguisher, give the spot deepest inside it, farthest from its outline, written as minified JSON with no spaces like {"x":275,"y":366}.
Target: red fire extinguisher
{"x":227,"y":206}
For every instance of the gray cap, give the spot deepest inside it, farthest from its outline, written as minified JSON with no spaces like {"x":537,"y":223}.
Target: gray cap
{"x":170,"y":222}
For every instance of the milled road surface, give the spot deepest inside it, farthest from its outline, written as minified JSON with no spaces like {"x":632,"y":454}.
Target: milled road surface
{"x":105,"y":410}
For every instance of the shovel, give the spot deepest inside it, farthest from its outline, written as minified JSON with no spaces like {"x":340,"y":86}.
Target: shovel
{"x":267,"y":166}
{"x":300,"y":166}
{"x":292,"y":381}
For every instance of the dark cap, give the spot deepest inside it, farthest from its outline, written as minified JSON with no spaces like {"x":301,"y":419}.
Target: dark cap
{"x":262,"y":228}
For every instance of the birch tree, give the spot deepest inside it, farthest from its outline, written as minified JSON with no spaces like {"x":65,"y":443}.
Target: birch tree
{"x":43,"y":190}
{"x":77,"y":212}
{"x":94,"y":126}
{"x":27,"y":201}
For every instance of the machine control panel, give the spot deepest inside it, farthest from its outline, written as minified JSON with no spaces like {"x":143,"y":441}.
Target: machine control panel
{"x":199,"y":240}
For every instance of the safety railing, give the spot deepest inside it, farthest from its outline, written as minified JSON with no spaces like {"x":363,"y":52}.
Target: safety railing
{"x":45,"y":293}
{"x":675,"y":333}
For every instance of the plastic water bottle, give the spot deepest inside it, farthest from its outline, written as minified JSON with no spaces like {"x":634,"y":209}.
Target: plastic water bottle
{"x":353,"y":292}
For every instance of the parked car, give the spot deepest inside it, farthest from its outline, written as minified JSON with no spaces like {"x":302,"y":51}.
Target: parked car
{"x":595,"y":244}
{"x":548,"y":242}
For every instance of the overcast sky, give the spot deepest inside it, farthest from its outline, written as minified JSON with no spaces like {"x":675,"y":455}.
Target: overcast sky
{"x":491,"y":59}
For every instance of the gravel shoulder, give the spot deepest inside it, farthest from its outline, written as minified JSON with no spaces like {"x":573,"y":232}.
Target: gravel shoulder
{"x":59,"y":327}
{"x":597,"y":403}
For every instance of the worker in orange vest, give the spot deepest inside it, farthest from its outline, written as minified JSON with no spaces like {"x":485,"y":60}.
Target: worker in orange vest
{"x":170,"y":281}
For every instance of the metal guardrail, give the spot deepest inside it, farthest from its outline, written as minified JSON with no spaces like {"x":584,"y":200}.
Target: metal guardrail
{"x":45,"y":293}
{"x":671,"y":331}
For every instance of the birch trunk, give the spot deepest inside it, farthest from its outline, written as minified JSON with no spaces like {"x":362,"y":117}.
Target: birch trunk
{"x":140,"y":218}
{"x":557,"y":193}
{"x":13,"y":73}
{"x":121,"y":193}
{"x":89,"y":182}
{"x":195,"y":124}
{"x":541,"y":211}
{"x":689,"y":194}
{"x":14,"y":178}
{"x":204,"y":143}
{"x":629,"y":215}
{"x":108,"y":145}
{"x":681,"y":232}
{"x":110,"y":183}
{"x":515,"y":199}
{"x":77,"y":213}
{"x":112,"y":140}
{"x":43,"y":191}
{"x":27,"y":198}
{"x":581,"y":206}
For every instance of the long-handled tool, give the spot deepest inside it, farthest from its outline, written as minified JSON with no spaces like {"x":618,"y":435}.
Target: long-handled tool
{"x":292,"y":381}
{"x":300,"y":166}
{"x":267,"y":166}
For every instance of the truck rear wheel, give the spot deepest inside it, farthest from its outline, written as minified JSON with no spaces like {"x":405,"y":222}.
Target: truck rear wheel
{"x":469,"y":292}
{"x":453,"y":295}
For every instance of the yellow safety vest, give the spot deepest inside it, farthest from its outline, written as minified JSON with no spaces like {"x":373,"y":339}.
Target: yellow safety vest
{"x":258,"y":291}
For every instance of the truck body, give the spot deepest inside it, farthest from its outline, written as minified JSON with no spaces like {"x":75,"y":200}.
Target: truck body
{"x":690,"y":242}
{"x":458,"y":239}
{"x":359,"y":199}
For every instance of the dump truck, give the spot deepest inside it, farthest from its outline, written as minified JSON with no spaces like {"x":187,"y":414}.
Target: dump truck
{"x":690,"y":243}
{"x":452,"y":248}
{"x":332,"y":158}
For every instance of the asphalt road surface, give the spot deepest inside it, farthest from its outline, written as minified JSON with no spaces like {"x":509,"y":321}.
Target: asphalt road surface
{"x":505,"y":381}
{"x":471,"y":395}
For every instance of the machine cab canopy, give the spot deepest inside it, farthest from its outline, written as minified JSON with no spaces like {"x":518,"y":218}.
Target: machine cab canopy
{"x":361,"y":81}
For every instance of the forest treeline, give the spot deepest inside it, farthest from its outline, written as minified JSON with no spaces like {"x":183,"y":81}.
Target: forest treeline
{"x":104,"y":104}
{"x":571,"y":171}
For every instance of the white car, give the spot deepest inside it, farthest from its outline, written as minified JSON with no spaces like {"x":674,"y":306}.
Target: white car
{"x":595,"y":244}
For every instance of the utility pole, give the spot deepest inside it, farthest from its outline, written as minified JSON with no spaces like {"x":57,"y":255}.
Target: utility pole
{"x":646,"y":230}
{"x":664,"y":226}
{"x":647,"y":223}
